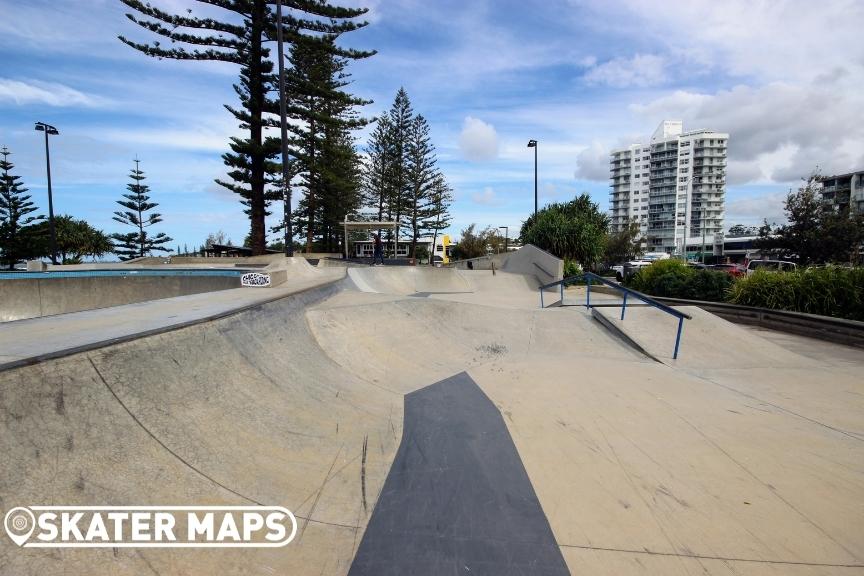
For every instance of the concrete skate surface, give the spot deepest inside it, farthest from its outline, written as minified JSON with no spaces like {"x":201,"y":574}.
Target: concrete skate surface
{"x":741,"y":457}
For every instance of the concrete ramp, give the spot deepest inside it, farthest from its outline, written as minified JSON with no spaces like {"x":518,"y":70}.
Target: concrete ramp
{"x":733,"y":357}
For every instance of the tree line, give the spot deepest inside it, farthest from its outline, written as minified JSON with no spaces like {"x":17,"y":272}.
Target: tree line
{"x":25,"y":235}
{"x":243,"y":36}
{"x":401,"y":180}
{"x":324,"y":161}
{"x":816,"y":231}
{"x":397,"y":178}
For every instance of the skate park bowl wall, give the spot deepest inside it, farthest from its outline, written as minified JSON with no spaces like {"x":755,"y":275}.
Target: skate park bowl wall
{"x":88,"y":287}
{"x":409,"y":280}
{"x":48,"y":293}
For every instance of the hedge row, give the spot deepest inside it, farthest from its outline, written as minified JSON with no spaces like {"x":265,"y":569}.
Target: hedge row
{"x":828,"y":291}
{"x":674,"y":279}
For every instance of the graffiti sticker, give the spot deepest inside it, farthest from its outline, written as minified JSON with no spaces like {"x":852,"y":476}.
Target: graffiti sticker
{"x":255,"y":280}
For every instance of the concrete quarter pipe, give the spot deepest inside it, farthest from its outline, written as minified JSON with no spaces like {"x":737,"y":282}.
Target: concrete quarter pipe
{"x":437,"y":422}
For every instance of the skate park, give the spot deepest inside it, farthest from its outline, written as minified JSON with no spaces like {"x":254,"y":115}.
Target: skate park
{"x":421,"y":420}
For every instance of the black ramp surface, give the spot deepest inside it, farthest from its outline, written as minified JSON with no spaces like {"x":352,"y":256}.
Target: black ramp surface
{"x":457,"y":499}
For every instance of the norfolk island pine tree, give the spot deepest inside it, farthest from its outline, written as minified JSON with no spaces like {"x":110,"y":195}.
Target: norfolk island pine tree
{"x":15,"y":205}
{"x":139,"y":243}
{"x":242,"y":38}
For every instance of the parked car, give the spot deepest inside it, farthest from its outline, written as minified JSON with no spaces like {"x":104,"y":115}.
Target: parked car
{"x":734,"y":270}
{"x":652,"y":256}
{"x":627,"y":269}
{"x":775,"y":265}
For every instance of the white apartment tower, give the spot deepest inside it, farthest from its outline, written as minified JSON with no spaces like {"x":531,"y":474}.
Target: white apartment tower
{"x":674,"y":187}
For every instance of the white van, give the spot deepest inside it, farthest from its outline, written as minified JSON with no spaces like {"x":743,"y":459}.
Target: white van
{"x":773,"y":265}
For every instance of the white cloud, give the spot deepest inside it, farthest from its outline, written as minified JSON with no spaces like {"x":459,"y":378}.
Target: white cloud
{"x":478,"y":141}
{"x":191,"y":139}
{"x":797,"y":100}
{"x":588,"y":61}
{"x":743,"y":172}
{"x":593,"y":163}
{"x":49,"y":93}
{"x":752,"y":210}
{"x":790,"y":40}
{"x":486,"y":198}
{"x":641,"y":70}
{"x":784,"y":130}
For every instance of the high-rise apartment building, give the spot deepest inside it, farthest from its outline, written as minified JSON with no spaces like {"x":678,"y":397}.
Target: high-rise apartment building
{"x":674,"y":187}
{"x":845,"y":191}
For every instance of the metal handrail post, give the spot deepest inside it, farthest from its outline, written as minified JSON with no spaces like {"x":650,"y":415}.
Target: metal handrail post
{"x":678,"y":338}
{"x":541,"y":298}
{"x":562,"y":293}
{"x":624,"y":307}
{"x":588,"y":294}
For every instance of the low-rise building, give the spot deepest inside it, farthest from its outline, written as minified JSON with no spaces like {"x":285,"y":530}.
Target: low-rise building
{"x":443,"y":247}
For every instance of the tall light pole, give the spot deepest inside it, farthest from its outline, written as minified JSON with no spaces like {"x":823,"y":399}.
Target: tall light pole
{"x":533,"y":144}
{"x":286,"y":177}
{"x":506,"y":236}
{"x":49,"y":130}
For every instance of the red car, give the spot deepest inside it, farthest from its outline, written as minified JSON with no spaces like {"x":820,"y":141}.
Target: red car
{"x":734,"y":270}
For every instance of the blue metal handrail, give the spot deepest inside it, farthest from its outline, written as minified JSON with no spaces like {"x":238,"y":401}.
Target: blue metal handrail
{"x":590,"y":276}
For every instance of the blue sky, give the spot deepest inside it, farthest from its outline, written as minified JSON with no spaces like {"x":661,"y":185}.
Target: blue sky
{"x":580,"y":76}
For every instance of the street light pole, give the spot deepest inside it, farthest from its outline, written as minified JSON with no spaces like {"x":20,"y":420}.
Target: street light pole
{"x":533,"y":144}
{"x":506,"y":236}
{"x":286,"y":177}
{"x":48,"y":129}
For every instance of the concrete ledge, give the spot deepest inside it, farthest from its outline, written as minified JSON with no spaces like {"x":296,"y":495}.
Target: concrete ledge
{"x":34,"y":298}
{"x":837,"y":330}
{"x":89,"y":330}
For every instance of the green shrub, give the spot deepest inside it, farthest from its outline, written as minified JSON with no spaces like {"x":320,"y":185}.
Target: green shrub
{"x":675,"y":279}
{"x":421,"y":253}
{"x":828,"y":291}
{"x":571,"y":268}
{"x":647,"y":278}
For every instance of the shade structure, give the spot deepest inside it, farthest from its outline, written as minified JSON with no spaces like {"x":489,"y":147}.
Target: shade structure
{"x":374,"y":225}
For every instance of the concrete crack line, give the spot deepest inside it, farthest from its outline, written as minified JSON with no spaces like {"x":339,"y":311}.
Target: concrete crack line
{"x":189,"y":464}
{"x":705,"y":557}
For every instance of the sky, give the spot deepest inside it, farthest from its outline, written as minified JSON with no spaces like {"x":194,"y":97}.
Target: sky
{"x":582,"y":77}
